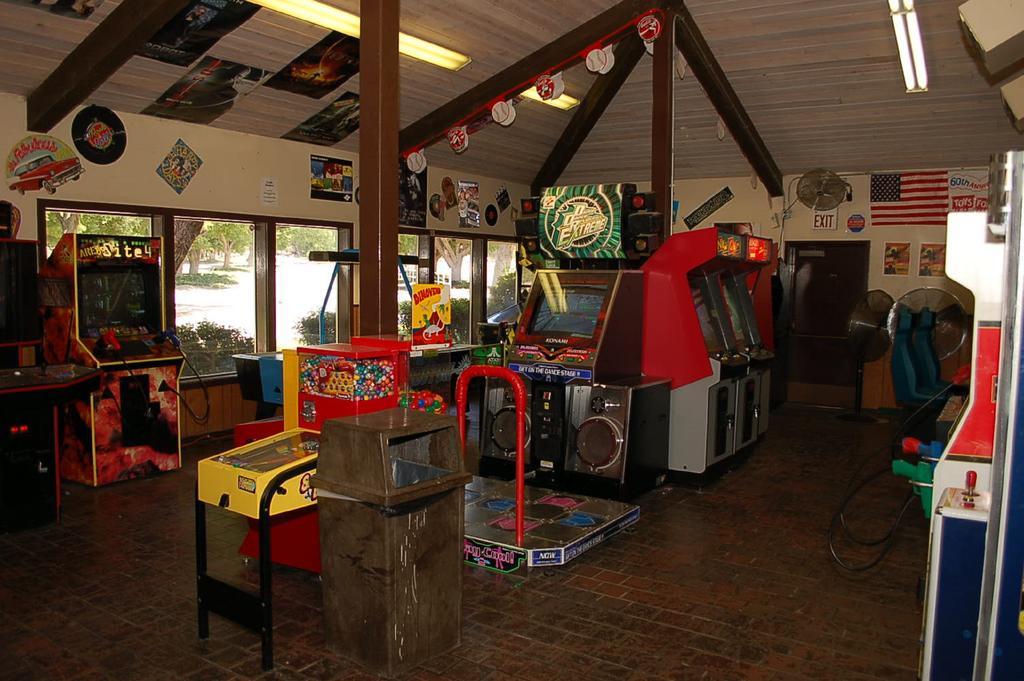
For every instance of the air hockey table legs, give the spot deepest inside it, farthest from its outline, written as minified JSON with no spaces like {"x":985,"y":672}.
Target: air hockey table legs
{"x":253,"y":611}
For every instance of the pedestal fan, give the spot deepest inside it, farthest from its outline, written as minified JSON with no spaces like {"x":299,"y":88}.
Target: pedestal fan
{"x":867,"y":338}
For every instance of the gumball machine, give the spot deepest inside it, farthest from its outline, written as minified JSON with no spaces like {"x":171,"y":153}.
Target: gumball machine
{"x":347,"y":379}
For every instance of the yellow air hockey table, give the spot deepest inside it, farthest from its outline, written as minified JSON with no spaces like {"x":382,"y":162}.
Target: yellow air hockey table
{"x":259,"y":480}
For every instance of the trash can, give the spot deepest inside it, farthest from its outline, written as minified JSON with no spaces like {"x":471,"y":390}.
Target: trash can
{"x":390,"y":491}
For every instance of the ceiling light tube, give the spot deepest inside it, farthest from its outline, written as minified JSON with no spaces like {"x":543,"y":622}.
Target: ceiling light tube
{"x":321,"y":14}
{"x":910,"y":45}
{"x":564,"y":102}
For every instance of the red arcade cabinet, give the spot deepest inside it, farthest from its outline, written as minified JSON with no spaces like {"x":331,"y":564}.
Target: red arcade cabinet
{"x":703,"y":332}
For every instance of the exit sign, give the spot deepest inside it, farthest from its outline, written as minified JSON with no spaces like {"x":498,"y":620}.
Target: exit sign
{"x":826,"y":221}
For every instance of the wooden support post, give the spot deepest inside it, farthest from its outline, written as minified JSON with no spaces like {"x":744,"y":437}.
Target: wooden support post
{"x":378,"y":167}
{"x":663,"y":120}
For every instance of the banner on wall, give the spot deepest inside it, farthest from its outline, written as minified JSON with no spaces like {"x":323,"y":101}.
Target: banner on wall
{"x":897,"y":258}
{"x":932,"y":260}
{"x":206,"y":92}
{"x":195,"y":29}
{"x":333,"y":123}
{"x":704,"y":210}
{"x":469,"y":203}
{"x":320,"y":69}
{"x":968,"y":190}
{"x":79,"y":9}
{"x":331,"y":179}
{"x":412,"y":196}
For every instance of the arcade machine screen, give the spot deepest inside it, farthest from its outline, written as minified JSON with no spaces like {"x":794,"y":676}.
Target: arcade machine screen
{"x":709,"y":315}
{"x":117,"y":297}
{"x":571,"y":310}
{"x":741,"y":310}
{"x":19,"y":320}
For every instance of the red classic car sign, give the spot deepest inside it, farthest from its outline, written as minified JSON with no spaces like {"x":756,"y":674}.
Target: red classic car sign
{"x":41,"y":162}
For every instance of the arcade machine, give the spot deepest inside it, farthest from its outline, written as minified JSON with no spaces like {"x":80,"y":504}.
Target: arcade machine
{"x":105,"y":309}
{"x":30,"y":396}
{"x":594,"y":422}
{"x":701,"y":331}
{"x":974,"y":609}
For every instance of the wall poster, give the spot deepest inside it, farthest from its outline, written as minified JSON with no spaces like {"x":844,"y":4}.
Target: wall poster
{"x":932,"y":260}
{"x":412,"y":196}
{"x":41,"y":162}
{"x":897,"y":258}
{"x":206,"y":92}
{"x":79,"y":9}
{"x":196,"y":29}
{"x":469,"y":203}
{"x":331,"y":179}
{"x":333,"y":123}
{"x":321,"y":68}
{"x":179,"y":166}
{"x":968,"y":190}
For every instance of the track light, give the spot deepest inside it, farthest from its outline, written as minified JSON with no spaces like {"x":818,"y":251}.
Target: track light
{"x":911,"y":48}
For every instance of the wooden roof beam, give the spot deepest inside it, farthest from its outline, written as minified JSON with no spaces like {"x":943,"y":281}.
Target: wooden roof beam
{"x":112,"y":43}
{"x":708,"y":72}
{"x":521,"y":75}
{"x":598,"y":97}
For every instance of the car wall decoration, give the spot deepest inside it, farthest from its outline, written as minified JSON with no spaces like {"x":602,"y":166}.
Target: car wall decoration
{"x":41,"y":162}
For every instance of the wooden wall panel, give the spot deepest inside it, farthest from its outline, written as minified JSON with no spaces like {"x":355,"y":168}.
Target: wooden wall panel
{"x":227,"y":409}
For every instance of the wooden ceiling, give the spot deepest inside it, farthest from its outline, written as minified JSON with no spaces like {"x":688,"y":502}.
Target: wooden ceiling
{"x":821,"y":81}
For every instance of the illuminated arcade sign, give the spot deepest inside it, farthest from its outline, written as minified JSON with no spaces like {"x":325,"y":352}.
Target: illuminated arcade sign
{"x":582,"y":221}
{"x":118,"y":248}
{"x":758,"y":250}
{"x":730,"y":246}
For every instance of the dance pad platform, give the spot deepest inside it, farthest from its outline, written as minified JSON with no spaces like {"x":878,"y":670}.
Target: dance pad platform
{"x":559,"y":526}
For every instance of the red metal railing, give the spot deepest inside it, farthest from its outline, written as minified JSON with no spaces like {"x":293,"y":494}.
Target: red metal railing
{"x":519,"y":395}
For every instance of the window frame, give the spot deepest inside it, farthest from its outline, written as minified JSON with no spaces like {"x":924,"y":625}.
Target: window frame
{"x":478,"y":266}
{"x":265,"y":260}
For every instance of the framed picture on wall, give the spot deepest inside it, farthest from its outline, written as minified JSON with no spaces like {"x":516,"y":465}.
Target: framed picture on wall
{"x":896,"y":258}
{"x":931,"y":260}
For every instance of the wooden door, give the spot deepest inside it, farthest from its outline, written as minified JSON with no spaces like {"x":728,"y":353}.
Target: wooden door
{"x":828,"y":278}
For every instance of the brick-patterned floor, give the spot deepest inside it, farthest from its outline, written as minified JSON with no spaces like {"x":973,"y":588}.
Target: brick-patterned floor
{"x":728,"y":581}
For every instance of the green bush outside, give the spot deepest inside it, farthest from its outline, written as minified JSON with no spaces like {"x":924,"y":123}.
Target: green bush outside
{"x":203,"y":280}
{"x":209,"y":346}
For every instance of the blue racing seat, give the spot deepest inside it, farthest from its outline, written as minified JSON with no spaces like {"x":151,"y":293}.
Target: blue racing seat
{"x":904,"y":375}
{"x":926,"y":362}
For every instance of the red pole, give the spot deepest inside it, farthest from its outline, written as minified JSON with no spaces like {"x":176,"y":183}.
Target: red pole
{"x":519,"y":395}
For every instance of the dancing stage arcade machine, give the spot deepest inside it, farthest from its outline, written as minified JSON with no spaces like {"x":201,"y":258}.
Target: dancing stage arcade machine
{"x":702,"y":331}
{"x":105,"y":308}
{"x":594,"y":421}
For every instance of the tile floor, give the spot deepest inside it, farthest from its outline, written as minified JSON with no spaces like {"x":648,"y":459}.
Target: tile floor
{"x":731,"y":580}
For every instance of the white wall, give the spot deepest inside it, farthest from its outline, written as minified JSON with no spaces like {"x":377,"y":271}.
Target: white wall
{"x":229,"y":179}
{"x":752,"y":204}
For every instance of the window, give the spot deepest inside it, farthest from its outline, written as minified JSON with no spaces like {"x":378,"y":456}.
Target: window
{"x":408,"y":244}
{"x":502,"y":280}
{"x":453,"y":265}
{"x":301,"y":285}
{"x":214,"y":291}
{"x":61,"y":222}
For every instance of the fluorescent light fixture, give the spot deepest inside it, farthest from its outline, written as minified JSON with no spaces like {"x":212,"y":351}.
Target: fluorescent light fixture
{"x":328,"y":16}
{"x":564,"y":102}
{"x":908,"y":40}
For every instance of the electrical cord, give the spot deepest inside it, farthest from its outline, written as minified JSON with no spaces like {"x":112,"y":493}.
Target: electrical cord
{"x":205,"y":418}
{"x":888,"y":539}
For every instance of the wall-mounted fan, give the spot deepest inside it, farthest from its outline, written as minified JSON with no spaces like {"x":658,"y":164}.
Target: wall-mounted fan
{"x":867,"y":339}
{"x":951,"y":323}
{"x":821,"y":189}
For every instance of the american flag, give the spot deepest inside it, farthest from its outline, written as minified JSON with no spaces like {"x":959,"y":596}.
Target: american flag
{"x":909,"y":199}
